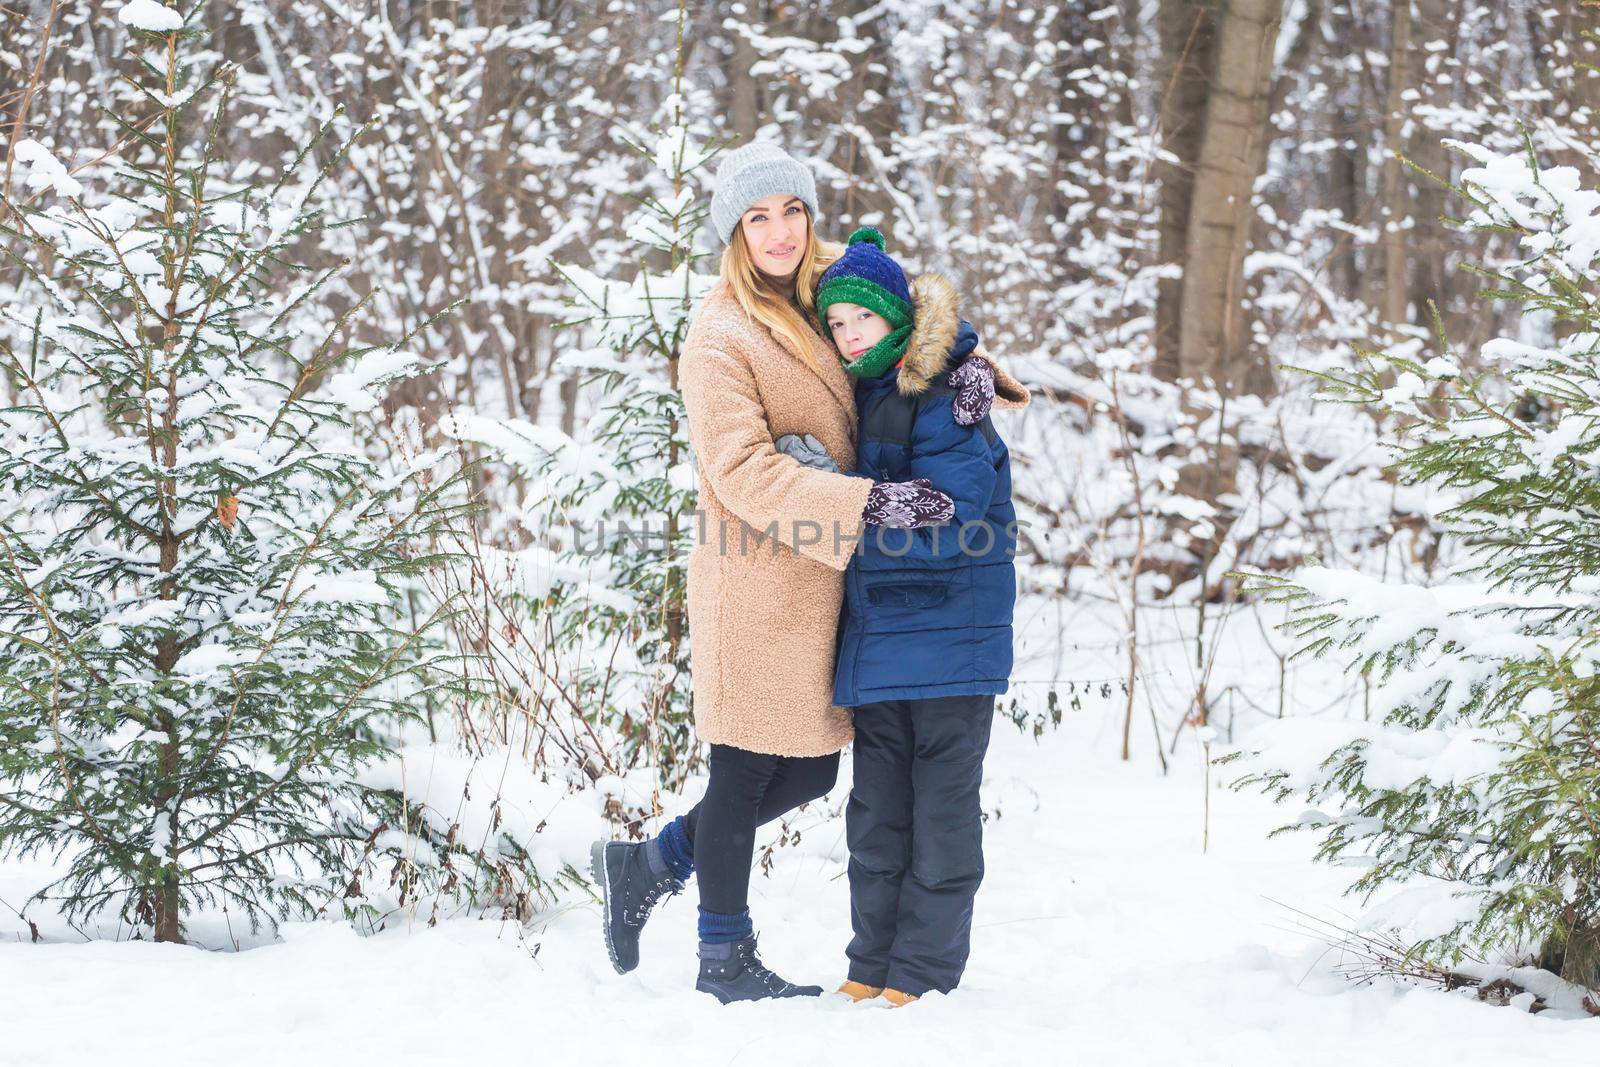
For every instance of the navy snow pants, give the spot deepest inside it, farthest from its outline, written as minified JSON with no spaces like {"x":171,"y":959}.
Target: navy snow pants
{"x":915,"y":832}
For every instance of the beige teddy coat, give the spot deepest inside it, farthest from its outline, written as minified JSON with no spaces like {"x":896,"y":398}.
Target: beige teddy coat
{"x":763,"y":617}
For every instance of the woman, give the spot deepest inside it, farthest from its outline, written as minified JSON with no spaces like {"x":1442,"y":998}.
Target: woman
{"x":765,"y":582}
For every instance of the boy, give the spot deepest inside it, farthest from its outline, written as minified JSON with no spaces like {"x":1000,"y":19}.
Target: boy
{"x":925,"y":635}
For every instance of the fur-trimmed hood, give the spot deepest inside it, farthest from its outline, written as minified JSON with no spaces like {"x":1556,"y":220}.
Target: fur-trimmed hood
{"x":936,"y":308}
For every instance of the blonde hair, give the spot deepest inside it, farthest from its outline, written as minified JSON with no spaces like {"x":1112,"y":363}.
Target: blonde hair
{"x":766,"y":302}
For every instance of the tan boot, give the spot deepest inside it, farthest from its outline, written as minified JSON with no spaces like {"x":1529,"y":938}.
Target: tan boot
{"x":858,"y":992}
{"x":897,"y":999}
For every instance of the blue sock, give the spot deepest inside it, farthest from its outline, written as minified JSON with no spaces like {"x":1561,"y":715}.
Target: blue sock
{"x":717,"y":928}
{"x":676,"y":849}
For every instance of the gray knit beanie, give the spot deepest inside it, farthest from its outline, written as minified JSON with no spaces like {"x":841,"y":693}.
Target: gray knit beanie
{"x":754,"y":172}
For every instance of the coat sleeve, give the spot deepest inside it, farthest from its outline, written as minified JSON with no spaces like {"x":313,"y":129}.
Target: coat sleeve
{"x":765,"y":488}
{"x":958,"y":461}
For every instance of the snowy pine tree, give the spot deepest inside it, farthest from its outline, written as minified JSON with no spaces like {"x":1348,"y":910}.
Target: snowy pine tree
{"x":1480,"y":765}
{"x":202,"y":642}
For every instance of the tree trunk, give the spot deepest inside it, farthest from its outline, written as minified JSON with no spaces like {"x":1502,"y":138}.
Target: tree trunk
{"x":1212,"y":335}
{"x":1356,"y":115}
{"x":1396,"y":204}
{"x":741,"y":93}
{"x":1345,"y":181}
{"x":1429,"y":238}
{"x":1187,"y":30}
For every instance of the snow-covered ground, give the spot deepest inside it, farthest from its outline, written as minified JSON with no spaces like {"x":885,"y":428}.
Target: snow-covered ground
{"x":1103,"y":936}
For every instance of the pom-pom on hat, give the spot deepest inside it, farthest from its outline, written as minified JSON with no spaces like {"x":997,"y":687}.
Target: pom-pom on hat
{"x":869,"y":276}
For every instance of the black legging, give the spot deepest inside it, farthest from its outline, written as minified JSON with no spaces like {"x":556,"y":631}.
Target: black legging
{"x":747,"y":789}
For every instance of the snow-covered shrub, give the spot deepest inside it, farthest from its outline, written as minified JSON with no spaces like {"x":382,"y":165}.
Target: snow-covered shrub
{"x":204,"y":641}
{"x":612,"y":509}
{"x":1479,"y":763}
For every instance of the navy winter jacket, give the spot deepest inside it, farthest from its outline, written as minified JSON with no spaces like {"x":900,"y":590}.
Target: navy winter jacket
{"x":928,"y":612}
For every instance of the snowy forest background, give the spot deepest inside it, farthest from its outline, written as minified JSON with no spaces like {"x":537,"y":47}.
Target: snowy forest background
{"x":1189,"y":226}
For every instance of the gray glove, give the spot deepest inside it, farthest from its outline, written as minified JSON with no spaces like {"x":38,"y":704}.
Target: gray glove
{"x":807,"y":450}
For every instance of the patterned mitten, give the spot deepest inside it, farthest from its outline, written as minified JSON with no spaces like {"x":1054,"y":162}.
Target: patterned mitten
{"x":974,"y":383}
{"x":907,"y":505}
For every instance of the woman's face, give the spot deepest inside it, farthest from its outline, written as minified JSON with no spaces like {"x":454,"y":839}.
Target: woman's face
{"x":775,"y":234}
{"x":855,"y":329}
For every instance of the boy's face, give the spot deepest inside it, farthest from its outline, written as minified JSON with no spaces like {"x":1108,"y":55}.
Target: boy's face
{"x":855,"y":329}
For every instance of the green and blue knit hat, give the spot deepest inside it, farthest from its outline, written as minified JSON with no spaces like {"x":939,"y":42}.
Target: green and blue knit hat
{"x":869,"y":276}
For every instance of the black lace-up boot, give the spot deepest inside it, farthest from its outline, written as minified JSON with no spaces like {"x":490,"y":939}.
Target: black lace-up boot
{"x":731,"y":970}
{"x":632,"y":881}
